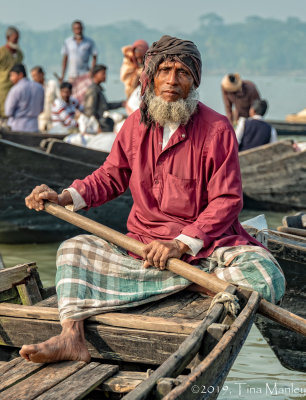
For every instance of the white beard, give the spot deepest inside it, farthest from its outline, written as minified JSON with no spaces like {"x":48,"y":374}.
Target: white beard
{"x":164,"y":112}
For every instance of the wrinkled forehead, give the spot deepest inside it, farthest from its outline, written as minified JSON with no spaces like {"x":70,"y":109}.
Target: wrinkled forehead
{"x":173,"y":64}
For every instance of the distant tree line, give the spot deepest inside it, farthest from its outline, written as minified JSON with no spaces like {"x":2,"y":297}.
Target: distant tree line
{"x":255,"y":46}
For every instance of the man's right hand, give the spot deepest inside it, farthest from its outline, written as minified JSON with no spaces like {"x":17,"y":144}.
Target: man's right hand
{"x":35,"y":200}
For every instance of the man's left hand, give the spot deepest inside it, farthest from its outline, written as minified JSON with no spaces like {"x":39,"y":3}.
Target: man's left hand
{"x":158,"y":252}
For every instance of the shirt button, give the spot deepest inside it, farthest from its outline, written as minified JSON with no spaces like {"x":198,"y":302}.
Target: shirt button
{"x":156,"y":181}
{"x":183,"y":135}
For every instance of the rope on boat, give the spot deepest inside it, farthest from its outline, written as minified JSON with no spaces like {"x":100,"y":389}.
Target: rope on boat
{"x":265,"y":230}
{"x":229,"y":301}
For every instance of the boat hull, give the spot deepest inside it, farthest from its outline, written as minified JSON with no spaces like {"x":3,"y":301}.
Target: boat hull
{"x":23,"y":168}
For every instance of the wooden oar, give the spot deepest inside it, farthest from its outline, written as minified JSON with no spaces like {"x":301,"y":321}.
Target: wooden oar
{"x":179,"y":267}
{"x":293,"y":231}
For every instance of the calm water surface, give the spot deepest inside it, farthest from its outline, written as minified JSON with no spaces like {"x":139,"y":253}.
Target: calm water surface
{"x":256,"y":374}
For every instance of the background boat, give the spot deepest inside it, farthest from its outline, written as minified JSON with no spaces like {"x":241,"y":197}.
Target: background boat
{"x":285,"y":128}
{"x":23,"y":168}
{"x":274,"y":177}
{"x":290,"y":252}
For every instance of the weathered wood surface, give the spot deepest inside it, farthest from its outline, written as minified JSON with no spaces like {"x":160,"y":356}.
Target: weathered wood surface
{"x":23,"y":325}
{"x":20,"y":284}
{"x":23,"y":168}
{"x":274,"y":177}
{"x":123,"y":381}
{"x":78,"y":385}
{"x":181,"y":358}
{"x":123,"y":320}
{"x":18,"y":372}
{"x":11,"y":277}
{"x":131,"y":345}
{"x":212,"y":371}
{"x":42,"y":380}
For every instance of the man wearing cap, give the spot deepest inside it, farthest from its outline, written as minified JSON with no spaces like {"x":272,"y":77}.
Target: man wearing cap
{"x":238,"y":93}
{"x":180,"y":160}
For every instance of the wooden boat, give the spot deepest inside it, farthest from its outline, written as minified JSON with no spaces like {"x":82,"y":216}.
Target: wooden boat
{"x":285,"y":128}
{"x":290,"y":252}
{"x":22,"y":168}
{"x":274,"y":177}
{"x":29,"y":138}
{"x":176,"y":348}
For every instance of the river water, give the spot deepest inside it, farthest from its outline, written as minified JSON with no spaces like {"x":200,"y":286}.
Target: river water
{"x":256,"y":374}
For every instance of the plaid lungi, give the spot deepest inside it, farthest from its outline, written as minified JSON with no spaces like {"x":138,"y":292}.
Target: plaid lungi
{"x":94,"y":276}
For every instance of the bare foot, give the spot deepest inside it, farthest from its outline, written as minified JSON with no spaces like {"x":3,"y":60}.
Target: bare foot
{"x":69,"y":345}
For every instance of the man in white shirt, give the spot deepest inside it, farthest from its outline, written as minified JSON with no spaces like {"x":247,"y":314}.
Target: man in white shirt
{"x":76,"y":52}
{"x":51,"y":93}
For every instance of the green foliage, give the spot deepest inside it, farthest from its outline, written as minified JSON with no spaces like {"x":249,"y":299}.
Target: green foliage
{"x":256,"y":46}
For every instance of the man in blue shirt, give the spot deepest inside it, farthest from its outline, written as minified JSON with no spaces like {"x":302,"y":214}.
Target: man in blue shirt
{"x":76,"y":52}
{"x":24,"y":102}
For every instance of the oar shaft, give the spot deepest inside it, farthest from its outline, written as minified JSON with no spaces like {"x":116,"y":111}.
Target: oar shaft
{"x":293,"y":231}
{"x":179,"y":267}
{"x":174,"y":265}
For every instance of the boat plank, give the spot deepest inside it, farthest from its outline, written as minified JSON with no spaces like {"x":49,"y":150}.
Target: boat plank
{"x":10,"y":277}
{"x":36,"y":384}
{"x":19,"y":371}
{"x":7,"y":365}
{"x":82,"y":382}
{"x":181,"y":358}
{"x":103,"y":341}
{"x":123,"y":320}
{"x":207,"y":373}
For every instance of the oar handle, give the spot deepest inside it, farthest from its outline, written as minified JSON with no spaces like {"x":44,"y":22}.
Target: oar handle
{"x":174,"y":265}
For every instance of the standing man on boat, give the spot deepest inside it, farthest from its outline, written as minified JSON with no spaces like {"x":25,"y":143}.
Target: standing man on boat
{"x":76,"y":53}
{"x":10,"y":54}
{"x":239,"y":94}
{"x":180,"y":160}
{"x":24,"y":102}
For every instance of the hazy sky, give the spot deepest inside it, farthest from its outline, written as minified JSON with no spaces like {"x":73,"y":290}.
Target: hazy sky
{"x":162,"y":14}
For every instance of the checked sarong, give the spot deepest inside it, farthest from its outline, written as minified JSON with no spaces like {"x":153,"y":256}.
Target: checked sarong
{"x":94,"y":276}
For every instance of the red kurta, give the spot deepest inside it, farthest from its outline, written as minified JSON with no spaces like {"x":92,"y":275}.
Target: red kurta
{"x":192,"y":187}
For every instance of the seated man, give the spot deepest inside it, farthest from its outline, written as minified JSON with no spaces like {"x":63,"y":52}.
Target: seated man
{"x":24,"y":102}
{"x":180,"y":160}
{"x":254,"y":131}
{"x":51,"y":93}
{"x":95,"y":103}
{"x":64,"y":110}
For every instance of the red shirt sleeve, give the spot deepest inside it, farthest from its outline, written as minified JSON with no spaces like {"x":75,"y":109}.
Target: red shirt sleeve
{"x":223,"y":186}
{"x":112,"y":178}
